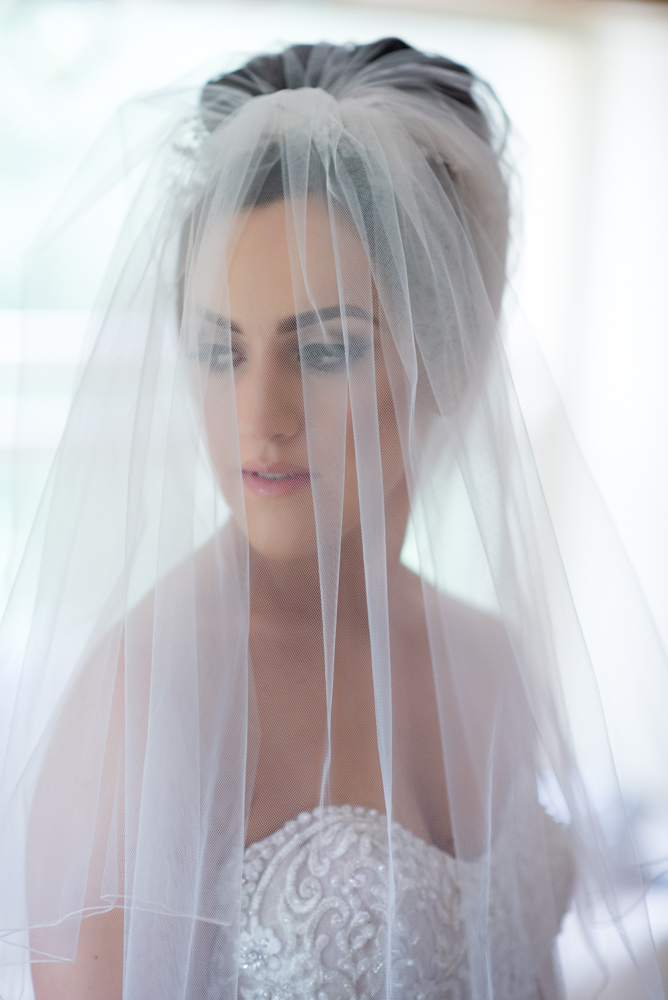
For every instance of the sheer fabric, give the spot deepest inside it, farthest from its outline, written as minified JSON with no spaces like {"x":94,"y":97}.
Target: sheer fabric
{"x":295,"y":370}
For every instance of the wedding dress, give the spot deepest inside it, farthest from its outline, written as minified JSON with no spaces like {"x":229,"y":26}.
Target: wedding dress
{"x":314,"y":898}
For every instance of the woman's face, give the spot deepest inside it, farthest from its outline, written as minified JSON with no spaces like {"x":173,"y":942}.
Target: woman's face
{"x":260,"y":308}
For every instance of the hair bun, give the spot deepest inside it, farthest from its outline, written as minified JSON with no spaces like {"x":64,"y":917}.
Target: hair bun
{"x":334,"y":68}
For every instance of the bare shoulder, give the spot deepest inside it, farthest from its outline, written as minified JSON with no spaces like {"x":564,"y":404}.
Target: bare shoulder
{"x":92,"y":716}
{"x":98,"y":969}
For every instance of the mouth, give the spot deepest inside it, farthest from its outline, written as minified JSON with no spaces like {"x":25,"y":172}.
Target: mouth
{"x":274,"y":480}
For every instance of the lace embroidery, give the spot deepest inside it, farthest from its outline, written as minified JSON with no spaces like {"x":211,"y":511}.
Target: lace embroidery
{"x":314,"y":897}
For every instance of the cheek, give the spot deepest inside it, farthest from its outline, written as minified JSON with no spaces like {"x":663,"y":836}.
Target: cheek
{"x":390,"y":449}
{"x":390,"y":444}
{"x":220,"y":421}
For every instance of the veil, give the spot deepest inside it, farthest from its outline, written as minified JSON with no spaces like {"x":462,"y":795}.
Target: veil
{"x":294,"y":556}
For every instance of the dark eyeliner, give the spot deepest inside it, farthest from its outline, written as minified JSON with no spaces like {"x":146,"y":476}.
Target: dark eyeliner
{"x":216,"y":356}
{"x":331,"y":357}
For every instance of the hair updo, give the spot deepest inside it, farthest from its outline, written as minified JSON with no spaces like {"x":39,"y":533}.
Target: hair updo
{"x":332,"y":67}
{"x":472,"y":177}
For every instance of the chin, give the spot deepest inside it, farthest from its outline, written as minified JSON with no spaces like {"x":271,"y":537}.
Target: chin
{"x":287,"y":539}
{"x":282,"y":549}
{"x":281,"y":537}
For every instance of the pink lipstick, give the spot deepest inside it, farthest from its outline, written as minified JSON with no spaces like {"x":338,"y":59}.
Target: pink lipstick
{"x":275,"y":479}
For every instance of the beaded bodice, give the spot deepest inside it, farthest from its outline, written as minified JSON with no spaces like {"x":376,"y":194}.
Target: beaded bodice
{"x":314,"y":905}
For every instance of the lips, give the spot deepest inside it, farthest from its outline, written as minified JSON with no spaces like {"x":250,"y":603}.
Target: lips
{"x":275,"y":479}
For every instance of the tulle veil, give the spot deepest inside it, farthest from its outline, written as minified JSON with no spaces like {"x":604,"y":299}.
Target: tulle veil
{"x":135,"y":745}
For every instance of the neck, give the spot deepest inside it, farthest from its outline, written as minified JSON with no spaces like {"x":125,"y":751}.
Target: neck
{"x":292,"y":587}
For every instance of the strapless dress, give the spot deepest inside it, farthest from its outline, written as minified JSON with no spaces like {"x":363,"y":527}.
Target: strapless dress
{"x":314,"y":900}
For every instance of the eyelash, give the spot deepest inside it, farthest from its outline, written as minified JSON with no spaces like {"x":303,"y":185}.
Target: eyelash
{"x":316,"y":356}
{"x":216,"y":356}
{"x":332,"y":357}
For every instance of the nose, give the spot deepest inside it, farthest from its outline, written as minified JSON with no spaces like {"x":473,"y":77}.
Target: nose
{"x":270,"y":402}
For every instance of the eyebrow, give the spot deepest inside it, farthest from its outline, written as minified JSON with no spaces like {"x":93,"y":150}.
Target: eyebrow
{"x":313,"y":317}
{"x":217,"y":320}
{"x":291,"y":323}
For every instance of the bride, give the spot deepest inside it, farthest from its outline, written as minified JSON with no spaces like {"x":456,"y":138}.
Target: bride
{"x":290,"y":722}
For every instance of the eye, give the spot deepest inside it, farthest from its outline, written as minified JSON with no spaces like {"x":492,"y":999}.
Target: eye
{"x":217,"y":356}
{"x":332,"y":357}
{"x":323,"y":357}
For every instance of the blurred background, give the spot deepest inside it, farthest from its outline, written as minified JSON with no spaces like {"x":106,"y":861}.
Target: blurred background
{"x":585,"y":85}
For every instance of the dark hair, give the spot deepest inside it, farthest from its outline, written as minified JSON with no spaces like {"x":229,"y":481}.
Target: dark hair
{"x":330,"y":68}
{"x":334,"y":68}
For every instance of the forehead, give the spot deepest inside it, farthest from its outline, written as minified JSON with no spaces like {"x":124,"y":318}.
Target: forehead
{"x":275,"y":260}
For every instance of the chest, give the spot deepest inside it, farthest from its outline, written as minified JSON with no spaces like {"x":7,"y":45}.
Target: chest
{"x":294,"y":743}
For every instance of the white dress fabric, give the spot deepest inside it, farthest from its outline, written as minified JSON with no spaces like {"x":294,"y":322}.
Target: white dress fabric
{"x":315,"y":893}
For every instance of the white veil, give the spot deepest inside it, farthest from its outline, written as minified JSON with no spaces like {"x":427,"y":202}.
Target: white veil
{"x":138,"y":746}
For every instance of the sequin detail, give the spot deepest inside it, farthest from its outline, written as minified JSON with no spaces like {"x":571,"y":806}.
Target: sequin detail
{"x":314,"y":903}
